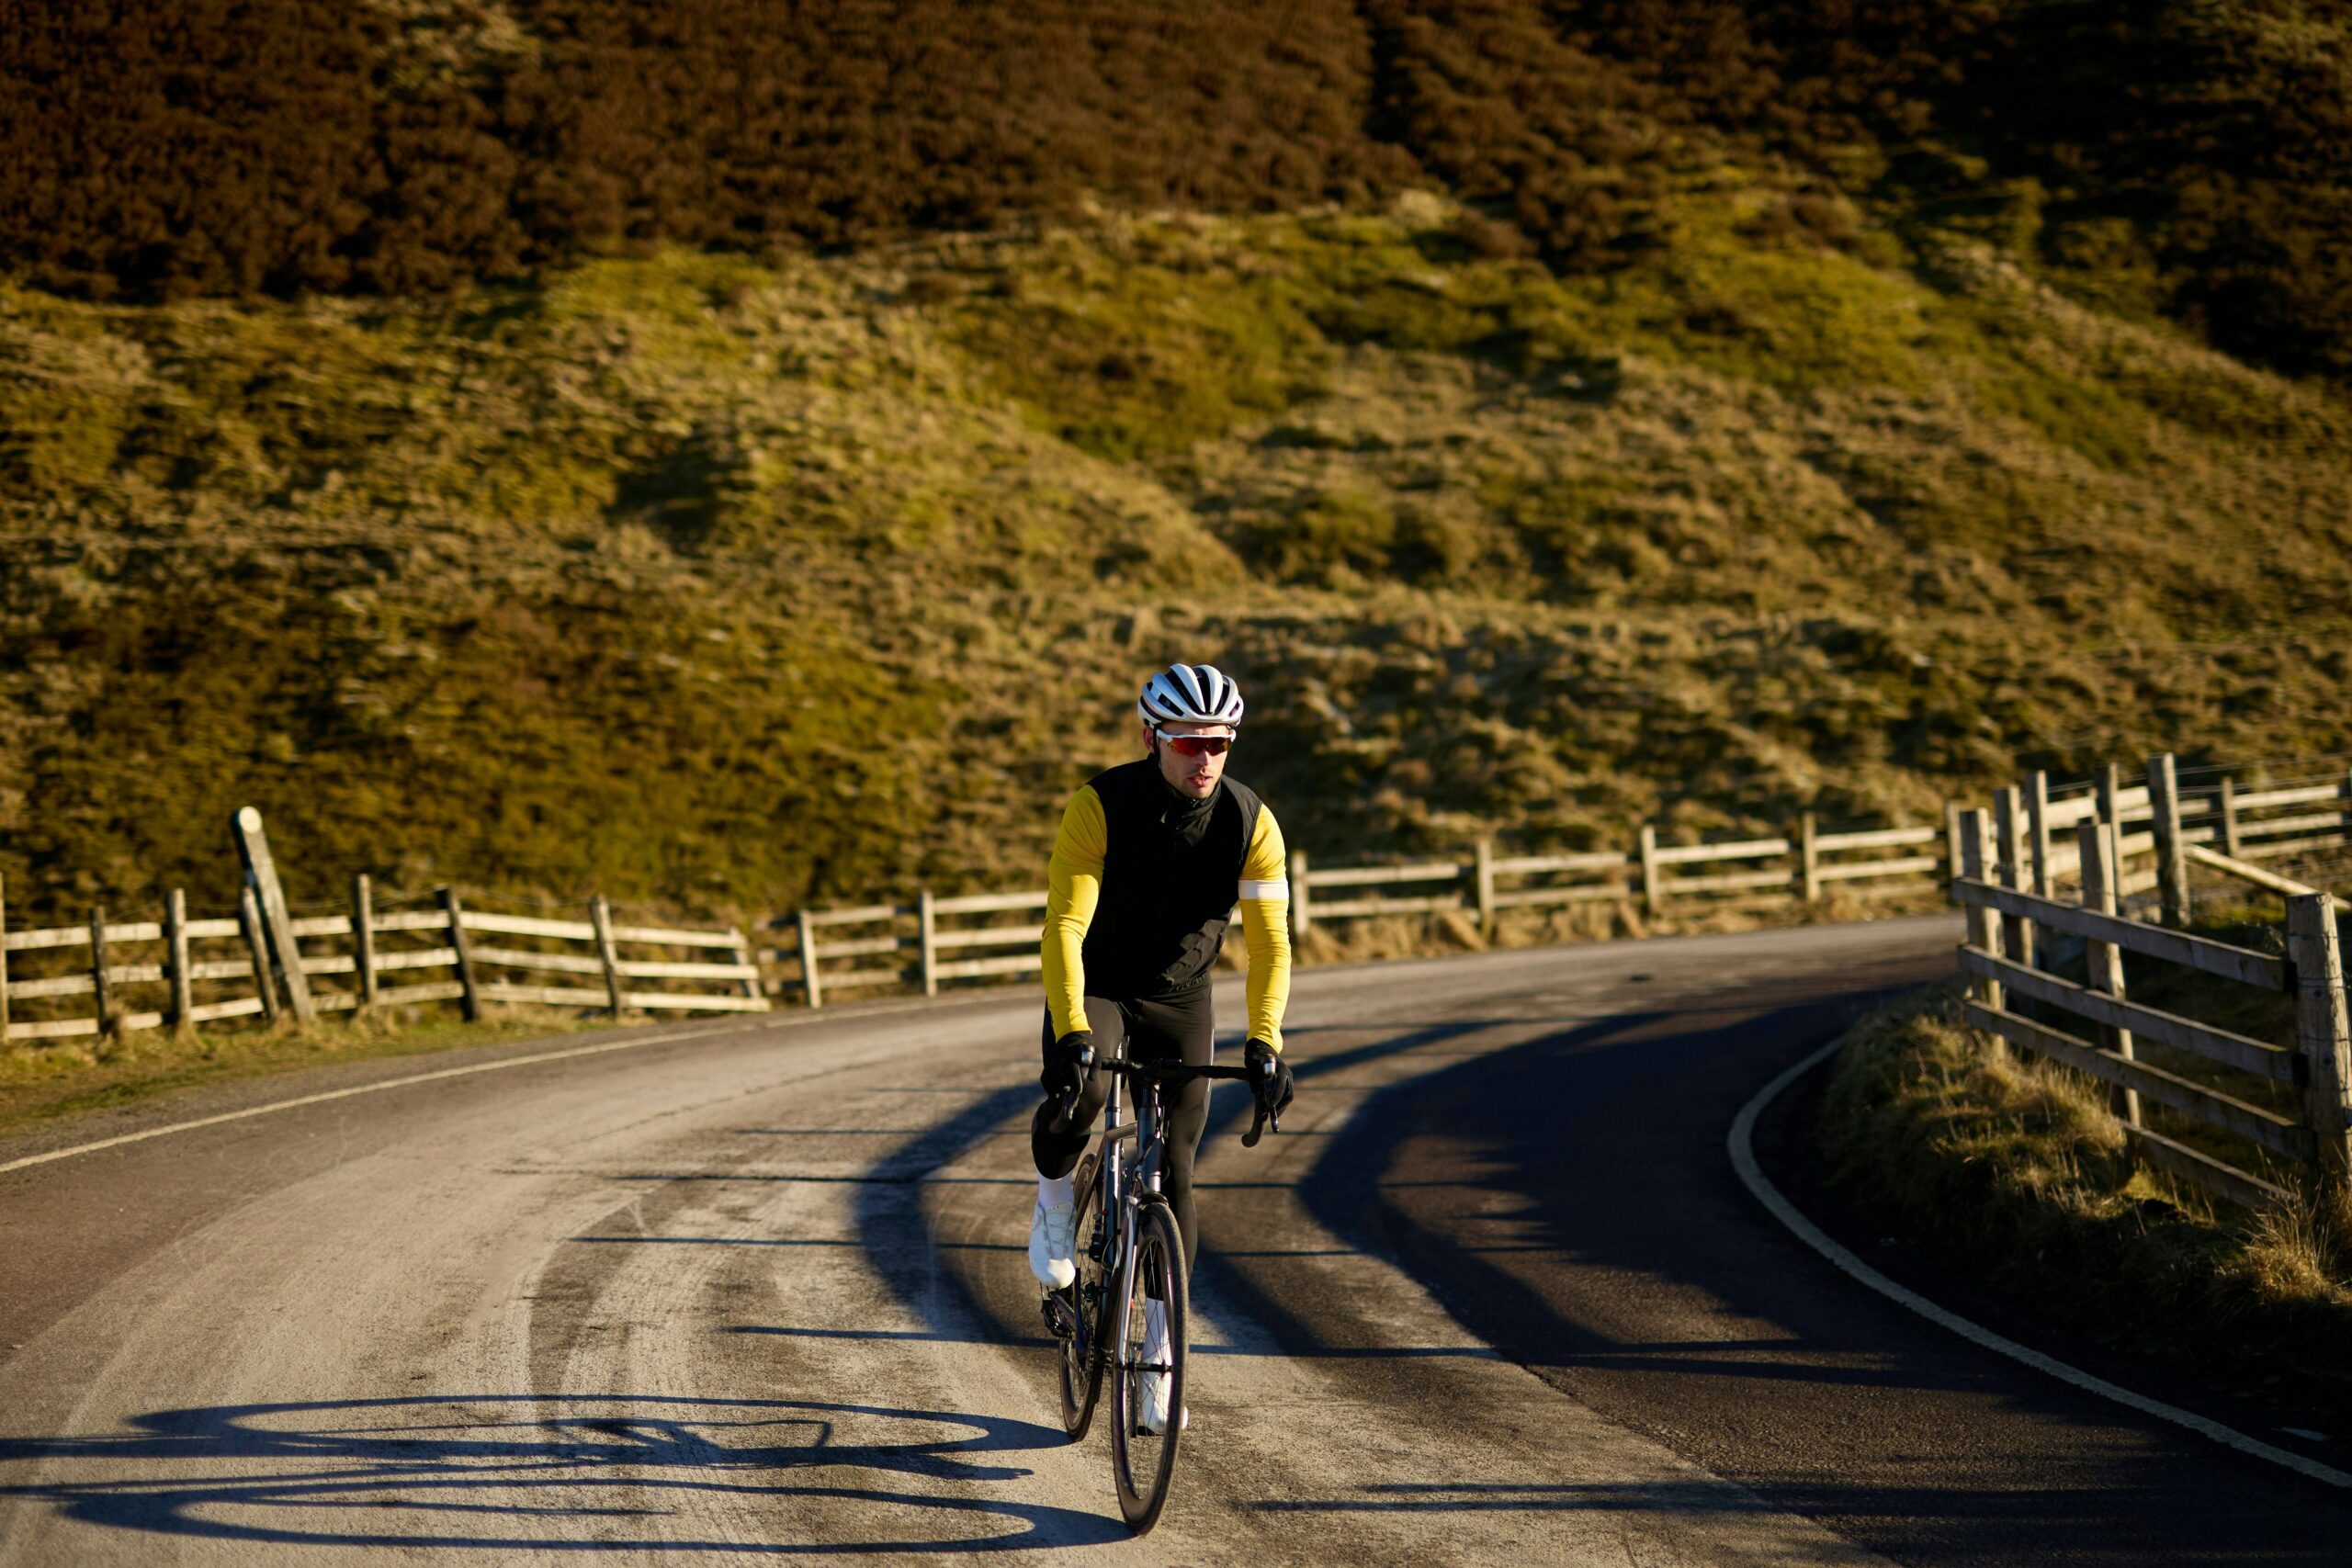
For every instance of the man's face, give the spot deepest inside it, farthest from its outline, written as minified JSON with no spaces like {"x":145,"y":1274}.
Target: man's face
{"x":1195,"y":776}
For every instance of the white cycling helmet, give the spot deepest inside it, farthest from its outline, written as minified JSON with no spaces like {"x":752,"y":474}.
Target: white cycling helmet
{"x":1190,"y":694}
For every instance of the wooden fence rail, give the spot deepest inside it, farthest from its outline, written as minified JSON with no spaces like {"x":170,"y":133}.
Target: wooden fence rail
{"x":274,"y":970}
{"x":2166,"y":826}
{"x":2146,"y":837}
{"x":913,"y":938}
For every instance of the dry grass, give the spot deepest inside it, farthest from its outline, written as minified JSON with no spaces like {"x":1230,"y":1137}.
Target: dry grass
{"x":2302,"y":1251}
{"x":2012,"y":1170}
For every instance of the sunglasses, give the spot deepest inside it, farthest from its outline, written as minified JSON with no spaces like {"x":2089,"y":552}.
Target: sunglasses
{"x":1197,"y":745}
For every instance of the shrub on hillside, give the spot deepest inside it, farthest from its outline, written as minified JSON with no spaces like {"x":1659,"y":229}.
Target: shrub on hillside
{"x":2187,"y":153}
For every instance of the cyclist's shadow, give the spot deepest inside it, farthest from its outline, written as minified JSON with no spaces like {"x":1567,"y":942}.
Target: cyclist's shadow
{"x":673,"y":1474}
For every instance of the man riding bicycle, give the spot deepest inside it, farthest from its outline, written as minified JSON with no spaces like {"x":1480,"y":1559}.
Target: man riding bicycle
{"x":1151,"y":858}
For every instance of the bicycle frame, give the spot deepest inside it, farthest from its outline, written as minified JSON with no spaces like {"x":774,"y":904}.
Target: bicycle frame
{"x":1127,"y":1176}
{"x":1132,"y":1243}
{"x":1126,"y":1182}
{"x":1149,"y":1137}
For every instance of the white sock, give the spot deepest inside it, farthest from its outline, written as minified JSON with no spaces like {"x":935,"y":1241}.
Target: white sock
{"x":1056,"y":1191}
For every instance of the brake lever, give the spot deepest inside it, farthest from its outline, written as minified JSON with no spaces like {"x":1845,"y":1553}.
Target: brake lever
{"x":1257,"y":1123}
{"x":1068,"y":1105}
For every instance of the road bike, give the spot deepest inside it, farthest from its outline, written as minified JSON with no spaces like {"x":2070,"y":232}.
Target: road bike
{"x":1130,"y":1260}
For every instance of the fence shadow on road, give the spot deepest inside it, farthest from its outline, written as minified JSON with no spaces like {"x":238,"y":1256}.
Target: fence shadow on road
{"x":494,"y":1471}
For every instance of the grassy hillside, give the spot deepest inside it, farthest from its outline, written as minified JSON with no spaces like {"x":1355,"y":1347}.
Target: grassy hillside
{"x":730,"y":583}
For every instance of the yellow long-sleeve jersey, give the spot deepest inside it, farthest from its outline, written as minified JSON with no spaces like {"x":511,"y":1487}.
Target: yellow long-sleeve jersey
{"x":1141,"y":888}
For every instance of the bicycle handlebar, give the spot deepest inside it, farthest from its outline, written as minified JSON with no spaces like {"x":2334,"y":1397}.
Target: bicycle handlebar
{"x":1183,"y":1072}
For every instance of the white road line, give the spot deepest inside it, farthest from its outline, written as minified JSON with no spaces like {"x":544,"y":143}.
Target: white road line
{"x":1743,"y":1158}
{"x":428,"y":1078}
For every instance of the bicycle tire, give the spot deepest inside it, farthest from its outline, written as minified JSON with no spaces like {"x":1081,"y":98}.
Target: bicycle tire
{"x":1142,"y":1463}
{"x":1089,"y":1308}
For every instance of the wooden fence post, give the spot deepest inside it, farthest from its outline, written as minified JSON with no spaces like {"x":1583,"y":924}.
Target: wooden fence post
{"x":1484,"y":867}
{"x":2230,"y":838}
{"x":1652,"y":893}
{"x":249,"y":921}
{"x":811,"y":988}
{"x":254,"y":844}
{"x":363,"y":936}
{"x":2037,"y":820}
{"x":2321,"y":1028}
{"x":99,"y":971}
{"x":4,"y":965}
{"x":175,"y":949}
{"x":600,"y":914}
{"x":1299,"y":903}
{"x":1952,"y":845}
{"x":471,"y":1001}
{"x":1984,"y":927}
{"x":2172,"y":855}
{"x":1809,"y":857}
{"x":2008,"y":869}
{"x":927,"y":935}
{"x":2104,"y":960}
{"x":744,"y":956}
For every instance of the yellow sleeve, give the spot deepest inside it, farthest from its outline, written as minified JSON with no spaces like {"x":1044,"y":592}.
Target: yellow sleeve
{"x":1073,"y":887}
{"x":1265,"y":929}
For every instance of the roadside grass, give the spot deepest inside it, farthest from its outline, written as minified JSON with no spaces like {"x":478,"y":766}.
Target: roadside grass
{"x":2009,"y":1170}
{"x":43,"y":1083}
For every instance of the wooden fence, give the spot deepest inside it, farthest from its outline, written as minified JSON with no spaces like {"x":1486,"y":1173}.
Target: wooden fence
{"x":2162,"y":823}
{"x":927,"y":940}
{"x":178,"y":973}
{"x":2293,"y":1103}
{"x":932,"y":939}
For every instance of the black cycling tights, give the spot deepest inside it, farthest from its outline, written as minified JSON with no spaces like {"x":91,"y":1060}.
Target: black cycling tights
{"x":1177,"y":1027}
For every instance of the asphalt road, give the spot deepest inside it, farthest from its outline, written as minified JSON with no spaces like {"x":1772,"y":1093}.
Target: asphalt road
{"x":1494,"y":1294}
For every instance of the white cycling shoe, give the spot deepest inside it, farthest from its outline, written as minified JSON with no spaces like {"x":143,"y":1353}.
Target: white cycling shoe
{"x":1053,"y":1245}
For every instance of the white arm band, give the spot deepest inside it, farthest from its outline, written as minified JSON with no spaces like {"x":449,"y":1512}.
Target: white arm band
{"x":1279,"y":888}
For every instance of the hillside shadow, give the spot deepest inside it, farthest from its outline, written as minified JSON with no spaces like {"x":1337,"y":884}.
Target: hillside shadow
{"x":1569,"y":1200}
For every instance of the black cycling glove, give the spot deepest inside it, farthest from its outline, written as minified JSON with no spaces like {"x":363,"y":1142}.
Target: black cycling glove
{"x":1273,"y":1089}
{"x":1064,"y":1077}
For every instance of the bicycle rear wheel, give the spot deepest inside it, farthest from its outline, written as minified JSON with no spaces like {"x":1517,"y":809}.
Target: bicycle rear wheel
{"x":1153,"y":1276}
{"x":1088,"y":1303}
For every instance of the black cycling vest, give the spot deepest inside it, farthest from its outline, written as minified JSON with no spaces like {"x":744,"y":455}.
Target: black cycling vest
{"x":1172,"y":872}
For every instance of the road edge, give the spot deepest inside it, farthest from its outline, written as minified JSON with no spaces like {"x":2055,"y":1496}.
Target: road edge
{"x":701,"y":1029}
{"x":1740,"y":1145}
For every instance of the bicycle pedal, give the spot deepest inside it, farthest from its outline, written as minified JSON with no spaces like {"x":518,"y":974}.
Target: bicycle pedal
{"x":1058,"y":1321}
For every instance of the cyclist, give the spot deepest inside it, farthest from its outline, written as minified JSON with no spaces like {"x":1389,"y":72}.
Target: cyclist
{"x":1151,"y":858}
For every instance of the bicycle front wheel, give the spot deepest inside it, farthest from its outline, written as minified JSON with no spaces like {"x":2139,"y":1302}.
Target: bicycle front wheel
{"x":1148,"y":1344}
